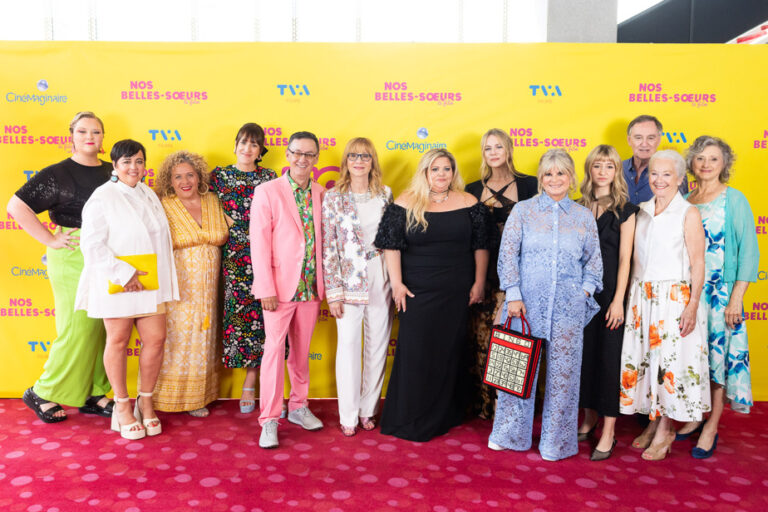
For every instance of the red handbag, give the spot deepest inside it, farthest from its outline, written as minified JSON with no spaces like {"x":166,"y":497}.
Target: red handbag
{"x":513,"y":358}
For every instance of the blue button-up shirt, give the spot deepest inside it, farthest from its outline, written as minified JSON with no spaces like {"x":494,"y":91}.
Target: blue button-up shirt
{"x":640,"y":191}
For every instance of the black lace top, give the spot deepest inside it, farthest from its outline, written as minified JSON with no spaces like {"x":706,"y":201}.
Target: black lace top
{"x":63,"y":189}
{"x":392,"y":234}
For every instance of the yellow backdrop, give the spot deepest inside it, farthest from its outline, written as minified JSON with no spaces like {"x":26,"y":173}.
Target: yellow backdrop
{"x":406,"y":97}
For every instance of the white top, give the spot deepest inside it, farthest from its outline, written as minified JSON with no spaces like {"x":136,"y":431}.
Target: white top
{"x":119,"y":220}
{"x":660,"y":253}
{"x":369,"y":214}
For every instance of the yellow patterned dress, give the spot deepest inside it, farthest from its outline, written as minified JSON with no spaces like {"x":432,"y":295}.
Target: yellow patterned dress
{"x":189,"y":377}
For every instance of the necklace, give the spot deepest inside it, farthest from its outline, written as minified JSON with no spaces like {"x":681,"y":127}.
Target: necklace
{"x":362,"y":197}
{"x":433,"y":196}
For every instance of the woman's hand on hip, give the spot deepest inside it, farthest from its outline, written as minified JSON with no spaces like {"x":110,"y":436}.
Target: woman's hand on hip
{"x":64,"y":240}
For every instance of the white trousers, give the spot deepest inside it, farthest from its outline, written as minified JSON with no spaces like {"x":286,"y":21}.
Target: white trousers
{"x":359,"y":380}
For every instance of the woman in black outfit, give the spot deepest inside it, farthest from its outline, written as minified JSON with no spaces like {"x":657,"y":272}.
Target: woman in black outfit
{"x":604,"y":192}
{"x":500,"y":188}
{"x":435,"y":240}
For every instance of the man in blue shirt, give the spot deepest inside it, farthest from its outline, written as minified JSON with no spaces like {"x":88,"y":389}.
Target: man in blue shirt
{"x":644,"y":137}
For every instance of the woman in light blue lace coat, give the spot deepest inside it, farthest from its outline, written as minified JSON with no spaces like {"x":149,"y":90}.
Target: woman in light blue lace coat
{"x":550,"y":267}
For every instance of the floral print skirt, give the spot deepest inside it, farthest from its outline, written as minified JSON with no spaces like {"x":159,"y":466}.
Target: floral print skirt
{"x":663,"y":373}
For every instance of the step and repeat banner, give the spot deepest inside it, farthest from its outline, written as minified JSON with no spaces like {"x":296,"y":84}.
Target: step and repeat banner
{"x":407,"y":98}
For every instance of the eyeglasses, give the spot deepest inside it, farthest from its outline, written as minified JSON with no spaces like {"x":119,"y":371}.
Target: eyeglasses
{"x":299,"y":154}
{"x":365,"y":157}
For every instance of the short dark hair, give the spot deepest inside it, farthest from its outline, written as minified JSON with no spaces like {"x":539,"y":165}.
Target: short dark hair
{"x":126,"y":148}
{"x":644,"y":119}
{"x":254,"y":132}
{"x":304,"y":135}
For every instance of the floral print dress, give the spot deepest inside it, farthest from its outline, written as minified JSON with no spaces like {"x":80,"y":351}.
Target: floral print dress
{"x":728,"y":349}
{"x":663,"y":373}
{"x":243,"y":318}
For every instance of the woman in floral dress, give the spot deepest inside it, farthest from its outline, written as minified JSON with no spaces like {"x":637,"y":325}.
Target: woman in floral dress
{"x":243,"y":319}
{"x":664,"y":354}
{"x":731,"y":263}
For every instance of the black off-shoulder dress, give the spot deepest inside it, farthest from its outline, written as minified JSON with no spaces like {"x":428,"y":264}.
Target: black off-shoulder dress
{"x":427,"y":389}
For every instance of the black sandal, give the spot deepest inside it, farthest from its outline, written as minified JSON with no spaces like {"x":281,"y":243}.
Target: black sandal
{"x":92,"y":407}
{"x":34,"y":402}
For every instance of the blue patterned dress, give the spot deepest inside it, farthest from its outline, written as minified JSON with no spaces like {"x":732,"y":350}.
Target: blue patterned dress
{"x":549,"y":256}
{"x":728,"y":349}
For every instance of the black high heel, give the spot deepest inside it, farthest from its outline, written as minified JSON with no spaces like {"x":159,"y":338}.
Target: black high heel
{"x":683,"y":437}
{"x":586,"y":436}
{"x":598,"y":455}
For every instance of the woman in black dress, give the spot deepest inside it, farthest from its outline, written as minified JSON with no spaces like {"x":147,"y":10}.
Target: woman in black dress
{"x":435,"y":240}
{"x":501,"y":187}
{"x":604,"y":192}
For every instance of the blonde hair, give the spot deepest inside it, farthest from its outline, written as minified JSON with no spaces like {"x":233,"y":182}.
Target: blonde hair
{"x":557,"y":159}
{"x":85,"y":114}
{"x":617,"y":196}
{"x":163,"y":185}
{"x":418,"y":190}
{"x":506,"y":141}
{"x":357,"y":145}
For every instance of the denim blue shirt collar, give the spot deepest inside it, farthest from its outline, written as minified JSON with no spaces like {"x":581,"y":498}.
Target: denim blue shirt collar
{"x":545,"y":202}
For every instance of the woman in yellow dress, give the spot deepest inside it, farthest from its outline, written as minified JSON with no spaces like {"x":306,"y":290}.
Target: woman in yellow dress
{"x":189,"y":378}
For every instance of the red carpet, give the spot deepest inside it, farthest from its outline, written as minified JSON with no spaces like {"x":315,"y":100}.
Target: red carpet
{"x":214,"y":464}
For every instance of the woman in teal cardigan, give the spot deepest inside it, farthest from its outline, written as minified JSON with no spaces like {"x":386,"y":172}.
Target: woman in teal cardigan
{"x":732,"y":260}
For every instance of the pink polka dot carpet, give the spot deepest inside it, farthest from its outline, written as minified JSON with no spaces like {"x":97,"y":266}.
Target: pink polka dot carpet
{"x":215,"y":464}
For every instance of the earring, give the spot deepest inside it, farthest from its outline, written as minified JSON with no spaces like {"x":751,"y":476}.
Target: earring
{"x":101,"y":150}
{"x":113,"y":179}
{"x":143,"y":178}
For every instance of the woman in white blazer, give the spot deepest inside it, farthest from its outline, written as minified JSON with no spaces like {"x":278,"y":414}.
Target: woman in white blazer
{"x":124,"y":217}
{"x":356,"y":284}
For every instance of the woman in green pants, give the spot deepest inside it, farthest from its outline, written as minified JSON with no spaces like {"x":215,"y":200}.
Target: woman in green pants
{"x":74,"y":373}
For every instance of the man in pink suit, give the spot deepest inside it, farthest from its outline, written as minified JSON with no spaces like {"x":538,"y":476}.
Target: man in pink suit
{"x":286,"y":253}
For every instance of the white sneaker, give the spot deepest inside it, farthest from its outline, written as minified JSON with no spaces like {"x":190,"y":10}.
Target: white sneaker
{"x":305,"y":419}
{"x":268,"y":438}
{"x":496,"y":447}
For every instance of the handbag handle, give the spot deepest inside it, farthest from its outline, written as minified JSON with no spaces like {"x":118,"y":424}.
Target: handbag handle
{"x":523,"y":321}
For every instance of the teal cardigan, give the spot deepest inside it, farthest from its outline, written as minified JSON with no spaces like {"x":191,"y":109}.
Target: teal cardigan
{"x":742,"y":256}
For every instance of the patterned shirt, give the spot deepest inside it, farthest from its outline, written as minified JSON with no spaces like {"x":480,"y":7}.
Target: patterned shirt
{"x":307,"y":289}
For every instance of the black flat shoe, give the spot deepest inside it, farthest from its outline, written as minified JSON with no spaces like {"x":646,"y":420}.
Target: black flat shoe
{"x":586,"y":436}
{"x":34,"y":402}
{"x":683,"y":437}
{"x":597,"y":455}
{"x":92,"y":407}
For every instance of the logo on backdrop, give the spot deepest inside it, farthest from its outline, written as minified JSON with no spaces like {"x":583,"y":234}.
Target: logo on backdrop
{"x":524,"y":137}
{"x":759,"y":310}
{"x":761,"y":226}
{"x":20,"y":134}
{"x":648,"y":92}
{"x":761,"y":143}
{"x":148,"y":90}
{"x":32,"y":97}
{"x":10,"y":225}
{"x":406,"y":145}
{"x":23,"y":307}
{"x":39,"y":346}
{"x":545,"y":90}
{"x":400,"y":91}
{"x":675,"y":137}
{"x":293,"y":89}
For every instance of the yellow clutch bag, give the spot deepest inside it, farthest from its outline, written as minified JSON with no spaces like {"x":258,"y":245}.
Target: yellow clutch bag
{"x":144,"y":262}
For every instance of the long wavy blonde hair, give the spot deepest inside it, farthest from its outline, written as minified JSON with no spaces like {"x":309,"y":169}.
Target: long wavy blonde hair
{"x":506,"y":141}
{"x":418,"y":190}
{"x":360,"y":145}
{"x":617,"y":197}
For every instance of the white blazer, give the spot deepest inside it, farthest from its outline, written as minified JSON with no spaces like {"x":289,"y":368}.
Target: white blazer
{"x":119,"y":220}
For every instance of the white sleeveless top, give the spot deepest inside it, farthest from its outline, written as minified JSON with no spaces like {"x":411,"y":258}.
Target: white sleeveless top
{"x":660,"y":253}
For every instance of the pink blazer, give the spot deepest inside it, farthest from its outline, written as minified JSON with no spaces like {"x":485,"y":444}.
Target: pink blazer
{"x":277,"y":240}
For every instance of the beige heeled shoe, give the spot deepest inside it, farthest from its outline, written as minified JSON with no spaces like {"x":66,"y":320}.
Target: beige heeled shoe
{"x":127,"y":431}
{"x":152,"y":425}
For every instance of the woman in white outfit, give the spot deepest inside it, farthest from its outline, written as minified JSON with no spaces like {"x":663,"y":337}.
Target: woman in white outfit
{"x":356,"y":284}
{"x":664,"y":364}
{"x":124,"y":217}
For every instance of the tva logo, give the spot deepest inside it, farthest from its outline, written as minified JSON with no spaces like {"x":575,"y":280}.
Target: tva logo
{"x":165,"y":134}
{"x":546,"y":90}
{"x":675,"y":137}
{"x":295,"y":90}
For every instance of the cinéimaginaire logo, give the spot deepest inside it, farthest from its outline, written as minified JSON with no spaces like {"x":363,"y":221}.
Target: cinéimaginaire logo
{"x":32,"y":97}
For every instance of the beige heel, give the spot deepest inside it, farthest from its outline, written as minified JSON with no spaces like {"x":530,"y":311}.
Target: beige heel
{"x":152,"y":425}
{"x":126,"y":431}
